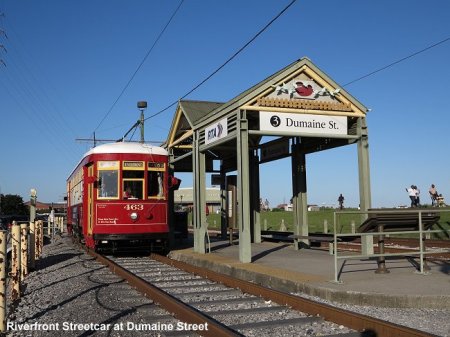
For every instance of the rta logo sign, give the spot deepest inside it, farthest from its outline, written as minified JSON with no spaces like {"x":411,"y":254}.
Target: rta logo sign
{"x":216,"y":132}
{"x":275,"y":121}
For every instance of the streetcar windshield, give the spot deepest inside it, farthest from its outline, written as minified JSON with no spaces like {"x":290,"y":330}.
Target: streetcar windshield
{"x":155,"y":184}
{"x":155,"y":180}
{"x":133,"y":184}
{"x":107,"y":187}
{"x":108,"y":179}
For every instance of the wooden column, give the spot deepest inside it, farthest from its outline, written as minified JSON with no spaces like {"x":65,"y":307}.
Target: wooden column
{"x":243,"y":178}
{"x":364,"y":180}
{"x":254,"y":197}
{"x":199,"y":197}
{"x":299,"y":200}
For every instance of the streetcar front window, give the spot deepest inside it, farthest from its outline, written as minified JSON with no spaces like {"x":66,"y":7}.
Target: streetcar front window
{"x":132,"y":189}
{"x":107,"y":187}
{"x":133,"y":181}
{"x":155,"y":180}
{"x":108,"y":180}
{"x":155,"y":184}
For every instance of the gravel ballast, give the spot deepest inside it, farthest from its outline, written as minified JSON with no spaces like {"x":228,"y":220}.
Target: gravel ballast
{"x":71,"y":294}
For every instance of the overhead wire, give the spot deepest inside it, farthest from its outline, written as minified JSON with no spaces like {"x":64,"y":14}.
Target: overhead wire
{"x":251,"y":40}
{"x":41,"y":127}
{"x":346,"y":84}
{"x":226,"y":62}
{"x":23,"y":79}
{"x":49,"y":112}
{"x":140,"y":65}
{"x":397,"y":62}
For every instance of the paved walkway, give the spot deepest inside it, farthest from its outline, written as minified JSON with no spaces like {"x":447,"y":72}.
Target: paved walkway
{"x":311,"y":271}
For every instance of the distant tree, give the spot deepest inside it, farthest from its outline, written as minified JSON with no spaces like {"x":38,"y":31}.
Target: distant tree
{"x":12,"y":205}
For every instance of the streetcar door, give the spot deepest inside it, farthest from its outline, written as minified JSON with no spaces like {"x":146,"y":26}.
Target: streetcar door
{"x":90,"y":208}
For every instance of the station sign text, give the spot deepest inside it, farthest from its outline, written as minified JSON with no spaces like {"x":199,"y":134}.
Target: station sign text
{"x":302,"y":123}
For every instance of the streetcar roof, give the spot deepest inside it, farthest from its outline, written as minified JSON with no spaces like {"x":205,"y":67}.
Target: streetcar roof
{"x":124,"y":147}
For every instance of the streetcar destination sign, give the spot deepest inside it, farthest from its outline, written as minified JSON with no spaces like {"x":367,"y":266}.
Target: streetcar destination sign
{"x":302,"y":123}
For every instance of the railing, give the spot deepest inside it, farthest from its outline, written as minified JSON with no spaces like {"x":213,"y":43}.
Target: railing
{"x":381,"y":255}
{"x":20,"y":248}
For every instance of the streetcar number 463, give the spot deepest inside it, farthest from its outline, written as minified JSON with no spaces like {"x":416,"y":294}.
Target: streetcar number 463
{"x":134,"y":207}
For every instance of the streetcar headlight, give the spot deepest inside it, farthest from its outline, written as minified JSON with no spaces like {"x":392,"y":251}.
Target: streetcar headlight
{"x":134,"y":216}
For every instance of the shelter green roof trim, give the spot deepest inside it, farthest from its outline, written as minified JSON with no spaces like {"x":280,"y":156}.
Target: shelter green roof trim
{"x":257,"y":89}
{"x":193,"y":114}
{"x":187,"y":114}
{"x":196,"y":110}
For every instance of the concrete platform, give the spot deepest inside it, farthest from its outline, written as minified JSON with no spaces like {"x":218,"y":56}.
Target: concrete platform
{"x":281,"y":267}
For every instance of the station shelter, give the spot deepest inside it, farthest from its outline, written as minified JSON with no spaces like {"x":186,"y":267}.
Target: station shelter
{"x":297,"y":111}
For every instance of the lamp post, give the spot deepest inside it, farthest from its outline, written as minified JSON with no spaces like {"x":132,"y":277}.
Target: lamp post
{"x":142,"y":105}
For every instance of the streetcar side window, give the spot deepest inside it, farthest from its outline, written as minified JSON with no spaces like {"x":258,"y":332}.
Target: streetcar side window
{"x":108,"y":180}
{"x":155,"y":180}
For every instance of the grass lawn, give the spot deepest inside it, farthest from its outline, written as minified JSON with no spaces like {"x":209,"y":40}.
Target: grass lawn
{"x":273,"y":220}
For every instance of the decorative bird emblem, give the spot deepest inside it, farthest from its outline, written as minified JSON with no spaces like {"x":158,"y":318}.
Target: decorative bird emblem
{"x":304,"y":90}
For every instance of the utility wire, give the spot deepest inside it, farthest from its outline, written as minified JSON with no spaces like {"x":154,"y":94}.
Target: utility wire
{"x":140,"y":65}
{"x":398,"y":61}
{"x":226,"y":62}
{"x":260,"y":32}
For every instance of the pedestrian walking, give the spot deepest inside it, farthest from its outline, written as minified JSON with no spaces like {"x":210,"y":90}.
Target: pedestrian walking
{"x":417,"y":200}
{"x":412,"y":195}
{"x":433,"y":195}
{"x":341,"y":201}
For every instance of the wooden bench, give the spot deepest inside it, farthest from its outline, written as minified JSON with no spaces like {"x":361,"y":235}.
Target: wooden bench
{"x":398,"y":221}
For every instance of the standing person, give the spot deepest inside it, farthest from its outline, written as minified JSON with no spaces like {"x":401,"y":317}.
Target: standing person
{"x":412,"y":195}
{"x":51,"y":222}
{"x":341,"y":201}
{"x":433,"y":195}
{"x":417,"y":200}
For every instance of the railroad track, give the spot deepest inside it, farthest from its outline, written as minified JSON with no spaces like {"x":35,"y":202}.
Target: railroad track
{"x":211,"y":304}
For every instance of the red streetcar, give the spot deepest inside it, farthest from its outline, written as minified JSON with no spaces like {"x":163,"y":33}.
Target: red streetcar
{"x":118,"y":197}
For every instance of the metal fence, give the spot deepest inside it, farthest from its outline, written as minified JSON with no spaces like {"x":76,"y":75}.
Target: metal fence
{"x":422,"y":234}
{"x":20,"y":248}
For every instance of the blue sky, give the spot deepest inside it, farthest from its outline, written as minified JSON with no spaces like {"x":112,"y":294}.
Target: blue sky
{"x":68,"y":61}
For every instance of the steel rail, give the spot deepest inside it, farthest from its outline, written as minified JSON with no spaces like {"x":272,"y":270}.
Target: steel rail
{"x":340,"y":316}
{"x":180,"y":310}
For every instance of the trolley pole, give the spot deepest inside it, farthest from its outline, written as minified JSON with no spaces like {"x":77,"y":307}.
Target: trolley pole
{"x":142,"y":105}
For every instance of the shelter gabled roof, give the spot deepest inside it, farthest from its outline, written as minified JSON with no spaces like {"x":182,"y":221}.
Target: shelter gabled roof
{"x":300,"y":68}
{"x":280,"y":92}
{"x":196,"y":110}
{"x":191,"y":115}
{"x":187,"y":114}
